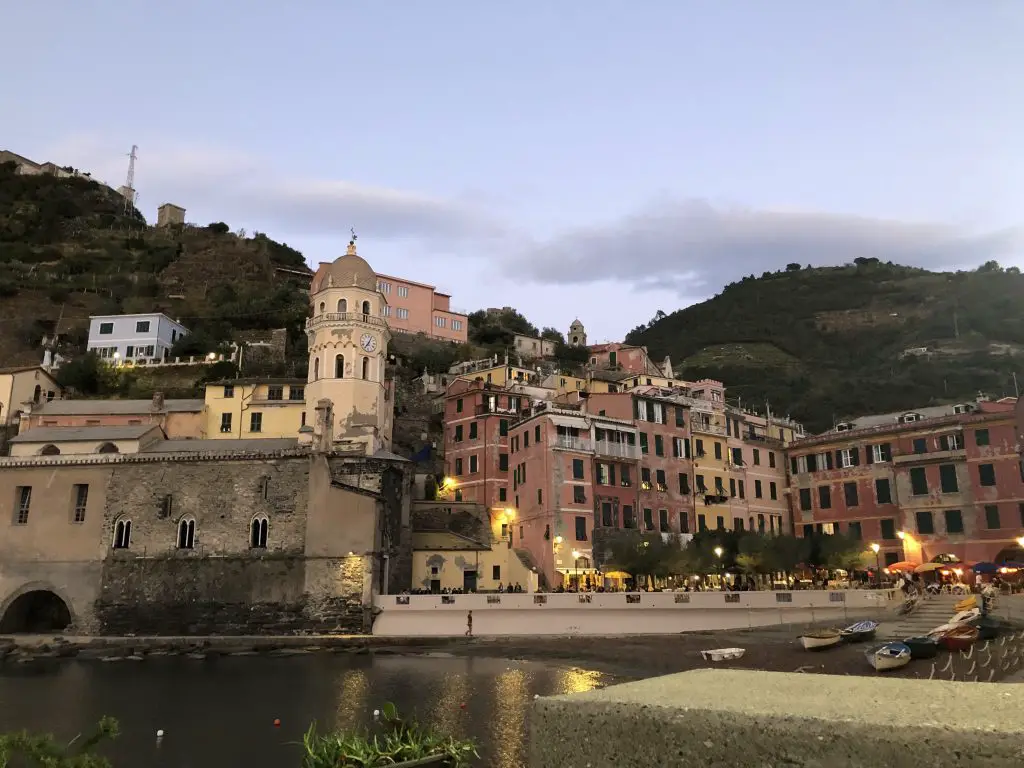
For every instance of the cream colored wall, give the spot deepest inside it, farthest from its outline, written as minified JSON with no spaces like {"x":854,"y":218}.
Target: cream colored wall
{"x":18,"y":388}
{"x":452,"y":563}
{"x":340,"y":521}
{"x":185,"y":425}
{"x":74,"y":448}
{"x":359,"y":404}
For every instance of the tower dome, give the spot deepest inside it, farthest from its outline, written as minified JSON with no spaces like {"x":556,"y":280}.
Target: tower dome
{"x":348,"y":270}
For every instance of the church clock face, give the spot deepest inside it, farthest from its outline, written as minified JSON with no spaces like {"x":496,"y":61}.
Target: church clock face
{"x":368,"y":342}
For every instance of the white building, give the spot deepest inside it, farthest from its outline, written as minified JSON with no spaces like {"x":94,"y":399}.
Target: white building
{"x":134,"y":338}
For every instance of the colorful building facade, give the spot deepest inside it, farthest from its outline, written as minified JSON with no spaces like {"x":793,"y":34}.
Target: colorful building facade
{"x":920,"y":483}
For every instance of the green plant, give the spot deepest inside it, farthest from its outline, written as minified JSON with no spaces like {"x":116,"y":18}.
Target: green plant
{"x":43,"y":750}
{"x":392,"y":742}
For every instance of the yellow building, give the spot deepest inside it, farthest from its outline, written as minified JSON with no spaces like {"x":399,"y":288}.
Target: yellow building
{"x":23,"y":385}
{"x":254,"y":408}
{"x":465,"y":546}
{"x":500,"y":375}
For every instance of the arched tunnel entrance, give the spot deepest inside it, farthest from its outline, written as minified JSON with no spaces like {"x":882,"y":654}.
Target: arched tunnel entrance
{"x":36,"y":612}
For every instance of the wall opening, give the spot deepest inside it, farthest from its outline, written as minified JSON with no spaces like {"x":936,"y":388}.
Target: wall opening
{"x":36,"y":612}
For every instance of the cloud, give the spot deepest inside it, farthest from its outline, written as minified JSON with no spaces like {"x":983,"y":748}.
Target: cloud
{"x":690,"y":246}
{"x":218,"y":184}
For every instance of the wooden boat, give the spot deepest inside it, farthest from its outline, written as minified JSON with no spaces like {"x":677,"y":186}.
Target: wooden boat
{"x":922,"y":647}
{"x":889,"y":656}
{"x":959,"y":638}
{"x":988,"y":628}
{"x":964,"y":617}
{"x":862,"y":630}
{"x":820,"y":639}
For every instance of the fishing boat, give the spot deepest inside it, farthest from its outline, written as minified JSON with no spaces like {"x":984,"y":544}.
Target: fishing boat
{"x":862,"y":630}
{"x":922,"y":647}
{"x":966,"y":604}
{"x":821,"y":639}
{"x":889,"y":656}
{"x":958,"y":638}
{"x":965,"y":617}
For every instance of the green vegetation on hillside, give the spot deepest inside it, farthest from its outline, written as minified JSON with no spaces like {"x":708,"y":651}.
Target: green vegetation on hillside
{"x":824,"y":343}
{"x":67,"y":251}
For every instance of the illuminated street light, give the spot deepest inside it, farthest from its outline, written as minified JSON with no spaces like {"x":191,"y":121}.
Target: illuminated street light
{"x":878,"y":562}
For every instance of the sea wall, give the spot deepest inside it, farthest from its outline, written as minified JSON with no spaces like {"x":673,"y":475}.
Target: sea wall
{"x":614,"y":613}
{"x":749,"y":719}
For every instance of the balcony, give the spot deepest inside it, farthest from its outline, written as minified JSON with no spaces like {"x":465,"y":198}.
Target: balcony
{"x":616,"y":450}
{"x":766,"y":439}
{"x":566,"y":443}
{"x":484,"y":409}
{"x":707,"y":428}
{"x":343,"y":317}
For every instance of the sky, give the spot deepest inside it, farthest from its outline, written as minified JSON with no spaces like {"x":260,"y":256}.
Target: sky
{"x":597,"y":159}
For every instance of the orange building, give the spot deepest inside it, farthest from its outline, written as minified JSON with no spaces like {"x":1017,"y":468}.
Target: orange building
{"x":179,"y":419}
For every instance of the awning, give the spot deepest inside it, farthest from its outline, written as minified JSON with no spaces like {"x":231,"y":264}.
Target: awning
{"x":561,"y":420}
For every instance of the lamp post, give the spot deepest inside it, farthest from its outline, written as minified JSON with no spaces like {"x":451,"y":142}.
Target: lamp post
{"x":1020,"y":542}
{"x":718,"y":554}
{"x":576,"y":564}
{"x":878,"y":563}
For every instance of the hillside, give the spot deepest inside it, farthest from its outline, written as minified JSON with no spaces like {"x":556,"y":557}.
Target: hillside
{"x":824,"y":343}
{"x":67,"y":250}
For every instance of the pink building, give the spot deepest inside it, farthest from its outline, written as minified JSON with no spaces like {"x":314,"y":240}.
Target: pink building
{"x":419,"y":308}
{"x":179,"y":419}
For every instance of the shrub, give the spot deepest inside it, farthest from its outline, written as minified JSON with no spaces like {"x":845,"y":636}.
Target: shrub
{"x":43,"y":751}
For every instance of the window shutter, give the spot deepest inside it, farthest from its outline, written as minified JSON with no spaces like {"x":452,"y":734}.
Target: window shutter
{"x":828,"y":460}
{"x":944,"y":442}
{"x":869,"y":454}
{"x":839,"y":459}
{"x":887,"y":451}
{"x":855,"y":456}
{"x":792,"y":463}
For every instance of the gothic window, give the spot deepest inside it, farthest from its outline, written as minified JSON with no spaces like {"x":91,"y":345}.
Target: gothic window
{"x":339,"y":367}
{"x":186,"y":533}
{"x":50,"y":450}
{"x":258,"y":532}
{"x":123,"y":534}
{"x":366,"y":307}
{"x":366,"y":367}
{"x":316,"y":368}
{"x":108,"y":448}
{"x":343,"y":305}
{"x":323,"y":306}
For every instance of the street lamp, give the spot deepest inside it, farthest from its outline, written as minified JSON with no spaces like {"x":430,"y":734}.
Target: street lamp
{"x":1020,"y":542}
{"x":718,"y":553}
{"x":576,"y":563}
{"x":878,"y":563}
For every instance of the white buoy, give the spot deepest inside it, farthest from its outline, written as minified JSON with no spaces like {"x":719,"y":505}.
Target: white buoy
{"x":160,"y":734}
{"x":376,"y":714}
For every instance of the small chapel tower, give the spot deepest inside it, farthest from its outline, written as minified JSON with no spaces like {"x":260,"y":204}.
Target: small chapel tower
{"x":577,"y":334}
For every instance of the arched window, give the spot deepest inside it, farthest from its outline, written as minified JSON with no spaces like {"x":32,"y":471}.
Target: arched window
{"x":108,"y":448}
{"x":316,"y":368}
{"x":186,"y":533}
{"x":366,"y":307}
{"x":323,"y":306}
{"x":123,"y":533}
{"x":366,"y":367}
{"x":39,"y":390}
{"x":258,"y":532}
{"x":339,"y":366}
{"x":50,"y":450}
{"x":343,"y":305}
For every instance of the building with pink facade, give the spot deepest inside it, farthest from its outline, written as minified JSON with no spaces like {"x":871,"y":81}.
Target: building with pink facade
{"x":920,"y":483}
{"x":419,"y":308}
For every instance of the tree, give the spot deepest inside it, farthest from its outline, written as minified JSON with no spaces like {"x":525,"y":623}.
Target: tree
{"x":553,"y":334}
{"x":218,"y":228}
{"x":792,"y":267}
{"x":641,"y":555}
{"x":86,"y":375}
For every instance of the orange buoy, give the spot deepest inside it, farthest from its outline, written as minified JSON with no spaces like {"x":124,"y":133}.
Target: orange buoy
{"x":277,"y":722}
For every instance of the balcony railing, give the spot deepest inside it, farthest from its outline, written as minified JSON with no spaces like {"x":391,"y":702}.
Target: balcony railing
{"x":918,"y":458}
{"x":618,"y":450}
{"x":566,"y":443}
{"x":707,"y":428}
{"x":344,"y":317}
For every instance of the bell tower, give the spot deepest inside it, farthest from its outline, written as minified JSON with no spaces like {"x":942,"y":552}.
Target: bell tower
{"x":348,"y":345}
{"x":577,"y":336}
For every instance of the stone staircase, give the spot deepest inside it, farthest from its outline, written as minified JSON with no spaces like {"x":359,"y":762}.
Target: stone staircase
{"x":932,"y":611}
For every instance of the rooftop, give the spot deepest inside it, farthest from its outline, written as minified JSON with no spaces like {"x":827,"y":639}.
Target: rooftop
{"x":85,"y":434}
{"x":114,"y":407}
{"x":223,"y":446}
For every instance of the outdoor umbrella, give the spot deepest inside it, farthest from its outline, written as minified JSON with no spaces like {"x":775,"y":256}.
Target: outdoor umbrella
{"x":985,"y":568}
{"x":929,"y":567}
{"x":903,"y":565}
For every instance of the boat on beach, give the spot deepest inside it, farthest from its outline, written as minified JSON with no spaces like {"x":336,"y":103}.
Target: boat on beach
{"x":821,"y":639}
{"x":958,"y":638}
{"x":889,"y":656}
{"x":862,"y":630}
{"x":922,"y":647}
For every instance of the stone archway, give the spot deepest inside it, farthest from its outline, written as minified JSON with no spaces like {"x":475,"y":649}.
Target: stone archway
{"x":35,"y":609}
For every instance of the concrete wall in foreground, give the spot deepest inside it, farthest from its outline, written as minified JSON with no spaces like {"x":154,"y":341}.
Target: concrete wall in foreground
{"x":747,"y":719}
{"x":615,"y":613}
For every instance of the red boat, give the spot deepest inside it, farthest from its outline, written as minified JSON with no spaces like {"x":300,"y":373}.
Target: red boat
{"x":959,"y":638}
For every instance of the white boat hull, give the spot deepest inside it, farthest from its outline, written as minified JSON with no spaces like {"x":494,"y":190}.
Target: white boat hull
{"x":889,"y":657}
{"x":817,"y":643}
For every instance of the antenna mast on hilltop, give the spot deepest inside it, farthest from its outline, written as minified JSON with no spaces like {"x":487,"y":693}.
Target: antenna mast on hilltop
{"x":128,"y":190}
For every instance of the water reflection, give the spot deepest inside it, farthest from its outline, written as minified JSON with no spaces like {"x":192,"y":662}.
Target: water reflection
{"x":222,"y":712}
